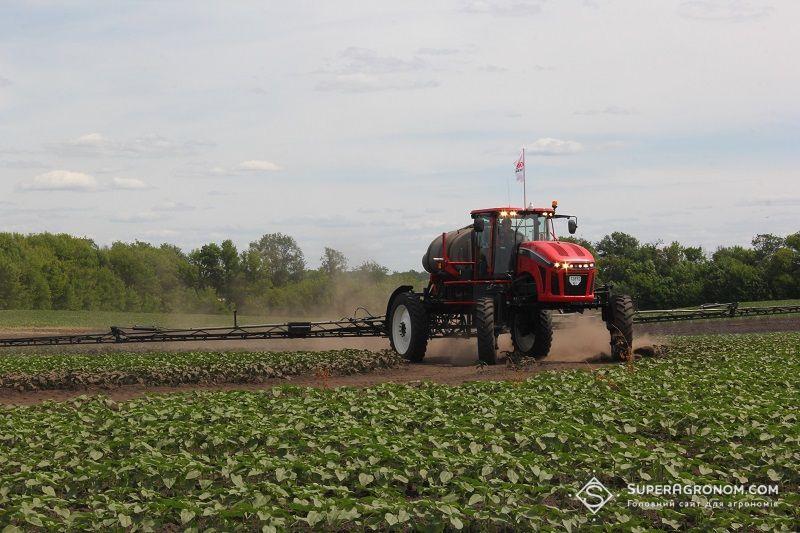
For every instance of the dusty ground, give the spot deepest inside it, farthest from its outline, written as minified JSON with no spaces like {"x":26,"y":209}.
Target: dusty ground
{"x":764,"y":324}
{"x":433,"y":371}
{"x":449,"y":361}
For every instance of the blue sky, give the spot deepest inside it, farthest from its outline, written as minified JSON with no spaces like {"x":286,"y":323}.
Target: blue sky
{"x":372,"y":127}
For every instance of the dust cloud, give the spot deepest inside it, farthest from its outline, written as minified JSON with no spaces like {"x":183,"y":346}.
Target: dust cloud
{"x":579,"y":337}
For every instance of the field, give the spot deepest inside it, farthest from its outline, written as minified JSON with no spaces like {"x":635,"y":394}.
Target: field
{"x":481,"y":455}
{"x":101,"y":320}
{"x":767,"y":303}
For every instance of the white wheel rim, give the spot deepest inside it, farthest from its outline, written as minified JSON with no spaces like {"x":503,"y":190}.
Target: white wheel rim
{"x":401,"y":329}
{"x":524,"y":342}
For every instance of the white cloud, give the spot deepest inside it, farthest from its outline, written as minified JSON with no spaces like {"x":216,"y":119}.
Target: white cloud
{"x":608,"y":110}
{"x":430,"y":51}
{"x":162,"y":233}
{"x":128,"y":184}
{"x":174,"y":206}
{"x":4,"y":82}
{"x":259,"y":165}
{"x":723,"y":10}
{"x":494,"y":69}
{"x":151,"y":145}
{"x":361,"y":70}
{"x":142,"y":216}
{"x":60,"y":180}
{"x":355,"y":60}
{"x":550,"y":146}
{"x":21,"y":163}
{"x":504,"y":8}
{"x":365,"y":83}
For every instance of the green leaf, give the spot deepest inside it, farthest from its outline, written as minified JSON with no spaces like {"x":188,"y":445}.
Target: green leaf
{"x":124,"y":520}
{"x":513,"y":477}
{"x":475,"y":498}
{"x":313,"y":517}
{"x":456,"y":522}
{"x":35,"y":520}
{"x":186,"y":516}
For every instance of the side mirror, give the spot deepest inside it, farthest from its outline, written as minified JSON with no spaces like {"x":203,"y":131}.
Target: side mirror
{"x":572,"y":225}
{"x":478,"y":225}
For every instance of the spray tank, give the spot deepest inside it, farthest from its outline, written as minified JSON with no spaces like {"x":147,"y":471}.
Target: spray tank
{"x":459,"y":248}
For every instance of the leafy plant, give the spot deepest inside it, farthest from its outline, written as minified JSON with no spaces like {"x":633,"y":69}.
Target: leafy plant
{"x":75,"y":371}
{"x":480,"y":456}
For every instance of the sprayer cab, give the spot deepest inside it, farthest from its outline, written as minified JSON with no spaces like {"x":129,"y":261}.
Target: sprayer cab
{"x":522,"y":245}
{"x":505,"y":272}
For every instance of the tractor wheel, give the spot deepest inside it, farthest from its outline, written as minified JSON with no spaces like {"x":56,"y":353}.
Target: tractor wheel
{"x":484,"y":324}
{"x":532,"y":333}
{"x":620,"y":325}
{"x":409,"y":327}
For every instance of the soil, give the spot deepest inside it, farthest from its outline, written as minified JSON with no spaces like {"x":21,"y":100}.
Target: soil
{"x":432,"y":371}
{"x":449,"y":361}
{"x":738,"y":325}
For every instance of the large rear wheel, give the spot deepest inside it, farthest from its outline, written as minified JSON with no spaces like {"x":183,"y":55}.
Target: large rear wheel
{"x":532,"y":333}
{"x":409,"y":327}
{"x":484,"y":326}
{"x":620,"y":325}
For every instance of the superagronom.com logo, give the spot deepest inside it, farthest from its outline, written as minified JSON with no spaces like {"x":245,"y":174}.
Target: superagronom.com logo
{"x":594,"y":495}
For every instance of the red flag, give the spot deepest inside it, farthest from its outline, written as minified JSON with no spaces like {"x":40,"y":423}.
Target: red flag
{"x":520,"y":168}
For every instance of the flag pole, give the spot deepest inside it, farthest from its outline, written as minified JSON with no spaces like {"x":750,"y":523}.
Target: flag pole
{"x":524,"y":182}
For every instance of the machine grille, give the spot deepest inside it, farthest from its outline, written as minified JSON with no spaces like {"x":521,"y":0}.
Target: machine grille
{"x":572,"y":288}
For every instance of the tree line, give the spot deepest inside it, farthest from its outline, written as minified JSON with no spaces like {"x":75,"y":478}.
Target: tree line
{"x":673,"y":275}
{"x":59,"y":271}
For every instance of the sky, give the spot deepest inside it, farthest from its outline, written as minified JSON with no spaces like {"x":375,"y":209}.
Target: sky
{"x":371,"y":127}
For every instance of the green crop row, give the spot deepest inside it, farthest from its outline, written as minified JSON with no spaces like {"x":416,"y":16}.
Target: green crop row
{"x":75,"y":371}
{"x":481,"y":456}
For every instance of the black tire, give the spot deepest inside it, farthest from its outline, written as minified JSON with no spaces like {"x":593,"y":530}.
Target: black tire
{"x":620,"y":325}
{"x":484,"y":325}
{"x":532,"y":333}
{"x":408,"y":333}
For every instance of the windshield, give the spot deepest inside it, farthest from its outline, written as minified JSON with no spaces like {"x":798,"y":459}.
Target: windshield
{"x":533,"y":227}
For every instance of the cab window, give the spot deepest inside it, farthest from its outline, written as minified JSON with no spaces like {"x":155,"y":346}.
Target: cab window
{"x":483,"y":247}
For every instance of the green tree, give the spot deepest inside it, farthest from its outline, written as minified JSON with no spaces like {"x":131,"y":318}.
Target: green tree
{"x":372,"y":270}
{"x":276,"y":257}
{"x":333,"y":262}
